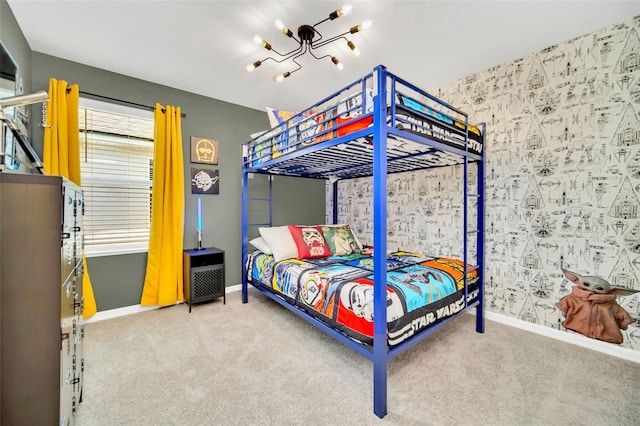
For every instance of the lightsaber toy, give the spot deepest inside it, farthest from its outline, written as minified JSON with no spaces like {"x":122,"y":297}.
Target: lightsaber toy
{"x":199,"y":228}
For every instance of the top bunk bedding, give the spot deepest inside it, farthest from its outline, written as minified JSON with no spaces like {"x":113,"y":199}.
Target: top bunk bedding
{"x":334,"y":138}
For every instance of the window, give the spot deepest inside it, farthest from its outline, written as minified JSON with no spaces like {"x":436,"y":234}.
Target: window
{"x":116,"y":162}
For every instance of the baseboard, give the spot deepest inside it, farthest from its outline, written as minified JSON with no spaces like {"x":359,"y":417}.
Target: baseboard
{"x":233,"y":288}
{"x":569,"y":337}
{"x":136,"y":309}
{"x":566,"y":336}
{"x":118,"y":312}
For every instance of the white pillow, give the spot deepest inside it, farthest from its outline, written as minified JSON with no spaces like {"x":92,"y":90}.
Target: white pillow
{"x":355,"y":237}
{"x":280,"y":241}
{"x":261,"y":245}
{"x":256,"y":134}
{"x":266,"y":135}
{"x":279,"y":116}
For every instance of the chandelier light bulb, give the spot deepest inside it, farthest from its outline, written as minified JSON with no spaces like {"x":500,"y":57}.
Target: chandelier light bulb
{"x":354,"y":49}
{"x":345,"y":10}
{"x":283,"y":29}
{"x":282,"y":76}
{"x":365,"y":25}
{"x":253,"y":66}
{"x":337,"y":62}
{"x":258,"y":40}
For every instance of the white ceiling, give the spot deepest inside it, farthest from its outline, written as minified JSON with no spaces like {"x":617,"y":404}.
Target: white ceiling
{"x":204,"y":46}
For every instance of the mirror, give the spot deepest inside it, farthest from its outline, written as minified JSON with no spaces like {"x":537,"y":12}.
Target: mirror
{"x":8,"y":73}
{"x":8,"y":87}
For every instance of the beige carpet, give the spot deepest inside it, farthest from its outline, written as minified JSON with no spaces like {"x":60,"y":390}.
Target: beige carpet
{"x":259,"y":364}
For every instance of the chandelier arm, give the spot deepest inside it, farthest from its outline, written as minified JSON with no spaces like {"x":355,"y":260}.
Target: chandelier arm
{"x":299,"y":66}
{"x":302,"y":52}
{"x":290,"y":34}
{"x":331,"y":40}
{"x":293,"y":37}
{"x":279,"y":61}
{"x":324,"y":20}
{"x":320,"y":37}
{"x":297,"y":63}
{"x":294,"y":53}
{"x":286,"y":55}
{"x":271,"y":58}
{"x":319,"y":57}
{"x":335,"y":60}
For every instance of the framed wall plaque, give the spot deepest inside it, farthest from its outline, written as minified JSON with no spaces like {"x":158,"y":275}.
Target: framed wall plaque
{"x":205,"y":181}
{"x":204,"y":150}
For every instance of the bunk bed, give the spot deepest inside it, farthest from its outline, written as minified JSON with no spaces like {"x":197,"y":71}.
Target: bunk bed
{"x":377,"y":125}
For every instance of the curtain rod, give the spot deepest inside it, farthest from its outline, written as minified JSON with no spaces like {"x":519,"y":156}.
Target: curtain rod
{"x":93,"y":95}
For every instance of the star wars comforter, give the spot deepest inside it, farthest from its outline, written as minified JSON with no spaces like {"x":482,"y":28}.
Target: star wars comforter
{"x":421,"y":290}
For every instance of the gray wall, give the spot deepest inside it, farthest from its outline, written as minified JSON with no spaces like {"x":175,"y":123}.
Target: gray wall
{"x":16,"y":44}
{"x":295,"y":201}
{"x":118,"y":280}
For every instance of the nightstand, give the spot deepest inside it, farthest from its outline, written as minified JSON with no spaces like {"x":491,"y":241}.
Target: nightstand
{"x":203,"y":275}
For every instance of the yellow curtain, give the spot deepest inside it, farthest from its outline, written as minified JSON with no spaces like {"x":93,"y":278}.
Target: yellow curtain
{"x":62,"y":154}
{"x":163,"y":278}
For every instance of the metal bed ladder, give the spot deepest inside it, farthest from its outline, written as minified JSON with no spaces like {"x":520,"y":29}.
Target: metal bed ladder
{"x":478,"y":232}
{"x":246,"y":224}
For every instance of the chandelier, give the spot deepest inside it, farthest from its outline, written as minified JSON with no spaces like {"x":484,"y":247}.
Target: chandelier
{"x":309,"y":39}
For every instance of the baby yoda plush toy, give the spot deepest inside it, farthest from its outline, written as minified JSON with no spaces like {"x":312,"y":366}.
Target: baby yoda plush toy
{"x":591,"y":308}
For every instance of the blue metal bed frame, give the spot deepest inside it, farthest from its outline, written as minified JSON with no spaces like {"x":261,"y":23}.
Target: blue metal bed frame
{"x":381,"y":163}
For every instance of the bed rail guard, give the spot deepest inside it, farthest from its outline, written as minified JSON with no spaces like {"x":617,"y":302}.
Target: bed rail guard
{"x":347,"y":116}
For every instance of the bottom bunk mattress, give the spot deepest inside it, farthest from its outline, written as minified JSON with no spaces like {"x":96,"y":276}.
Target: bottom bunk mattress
{"x":338,"y":290}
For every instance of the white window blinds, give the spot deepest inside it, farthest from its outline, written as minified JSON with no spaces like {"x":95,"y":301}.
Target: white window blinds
{"x":116,"y":161}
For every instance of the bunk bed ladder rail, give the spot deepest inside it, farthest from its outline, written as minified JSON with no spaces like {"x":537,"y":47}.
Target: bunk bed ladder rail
{"x":246,"y":225}
{"x":465,"y":214}
{"x":478,"y":232}
{"x":480,"y":178}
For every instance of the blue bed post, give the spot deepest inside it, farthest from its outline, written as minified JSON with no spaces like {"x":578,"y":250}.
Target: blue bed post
{"x":271,"y":200}
{"x":334,"y":195}
{"x":380,"y":353}
{"x":465,"y":220}
{"x":245,"y":236}
{"x":480,"y":241}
